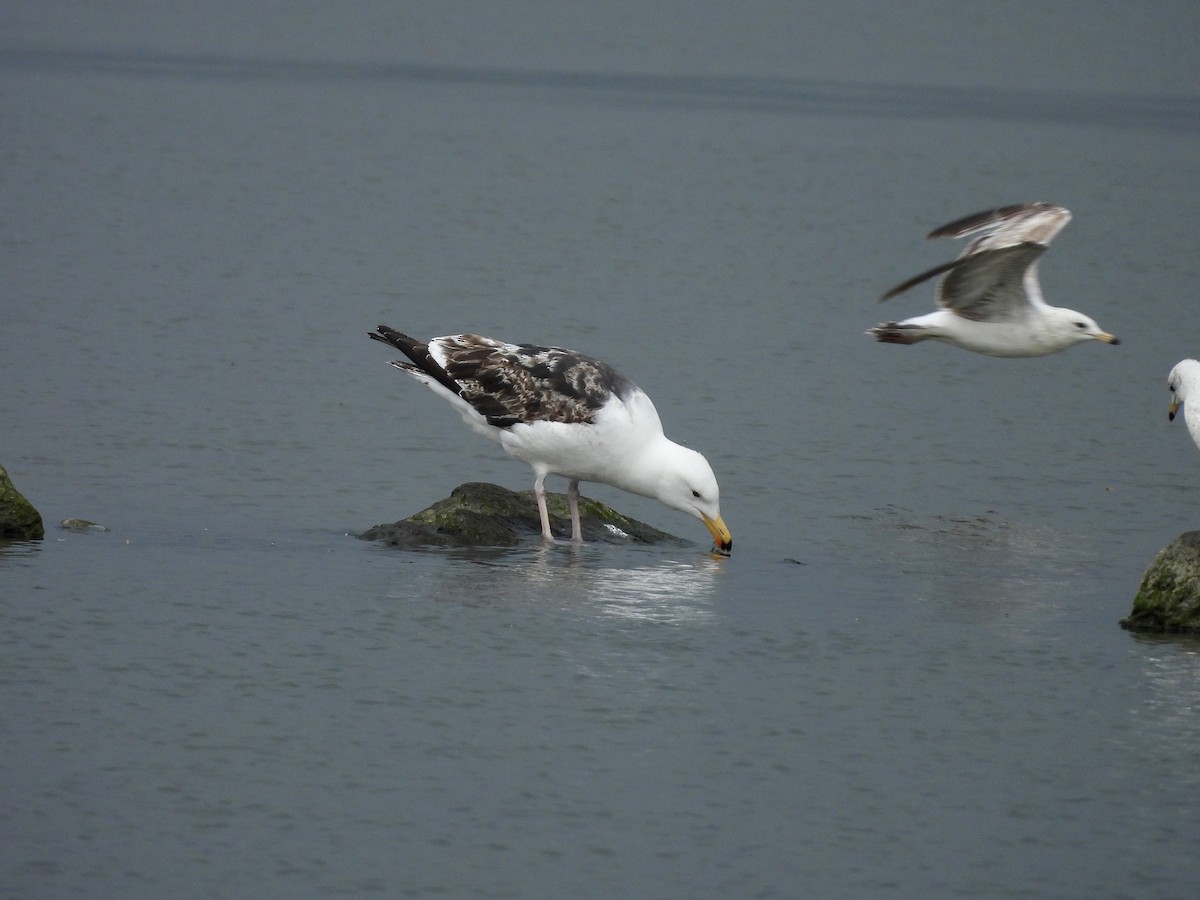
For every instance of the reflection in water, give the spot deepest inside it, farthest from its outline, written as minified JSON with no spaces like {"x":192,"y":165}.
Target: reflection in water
{"x":619,"y":626}
{"x":1169,"y":715}
{"x":671,"y":591}
{"x":597,"y":580}
{"x":15,"y":551}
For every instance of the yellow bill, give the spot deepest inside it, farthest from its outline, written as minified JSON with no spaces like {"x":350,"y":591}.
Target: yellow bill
{"x":720,"y":534}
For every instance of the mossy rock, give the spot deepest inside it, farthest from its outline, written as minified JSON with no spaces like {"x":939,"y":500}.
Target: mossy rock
{"x":478,"y":514}
{"x":1169,"y":597}
{"x":19,"y":521}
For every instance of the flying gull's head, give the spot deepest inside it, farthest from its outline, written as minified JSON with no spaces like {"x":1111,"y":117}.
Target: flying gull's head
{"x":1076,"y":328}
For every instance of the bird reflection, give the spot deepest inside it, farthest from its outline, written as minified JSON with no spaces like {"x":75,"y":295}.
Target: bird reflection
{"x":623,"y":584}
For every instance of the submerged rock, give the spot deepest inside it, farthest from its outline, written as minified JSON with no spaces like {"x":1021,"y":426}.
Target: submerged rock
{"x":82,"y":525}
{"x":478,"y":514}
{"x":1169,"y":596}
{"x":19,"y":521}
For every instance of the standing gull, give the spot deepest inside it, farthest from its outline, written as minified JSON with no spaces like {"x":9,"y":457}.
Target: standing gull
{"x":565,"y":414}
{"x":1185,"y":379}
{"x":990,"y":296}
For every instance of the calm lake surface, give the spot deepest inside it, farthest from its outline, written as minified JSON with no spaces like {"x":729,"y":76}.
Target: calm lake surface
{"x":908,"y":680}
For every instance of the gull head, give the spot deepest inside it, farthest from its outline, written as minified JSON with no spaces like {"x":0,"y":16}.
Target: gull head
{"x":1184,"y":379}
{"x":1184,"y":375}
{"x":689,"y":485}
{"x":1071,"y":327}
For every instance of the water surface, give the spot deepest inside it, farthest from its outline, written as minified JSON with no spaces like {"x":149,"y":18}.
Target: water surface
{"x":908,"y":680}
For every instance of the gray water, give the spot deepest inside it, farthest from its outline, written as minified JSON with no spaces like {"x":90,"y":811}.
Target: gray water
{"x":908,"y":680}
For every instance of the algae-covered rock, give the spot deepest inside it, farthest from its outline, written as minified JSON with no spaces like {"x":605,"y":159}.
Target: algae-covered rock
{"x":19,"y":521}
{"x":478,"y":514}
{"x":1169,"y":596}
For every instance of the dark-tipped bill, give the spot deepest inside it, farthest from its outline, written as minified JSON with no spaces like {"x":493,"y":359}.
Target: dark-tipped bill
{"x":721,"y":536}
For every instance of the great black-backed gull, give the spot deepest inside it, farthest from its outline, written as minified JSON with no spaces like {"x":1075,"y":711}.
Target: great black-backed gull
{"x":1183,"y":380}
{"x":990,"y":297}
{"x":564,"y":414}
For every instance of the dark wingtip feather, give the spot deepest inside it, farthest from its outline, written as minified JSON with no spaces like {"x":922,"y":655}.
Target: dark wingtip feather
{"x":409,"y":346}
{"x":917,"y":279}
{"x":388,"y":335}
{"x":418,"y":352}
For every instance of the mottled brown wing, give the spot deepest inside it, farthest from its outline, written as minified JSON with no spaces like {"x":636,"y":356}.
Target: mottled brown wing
{"x":511,"y":383}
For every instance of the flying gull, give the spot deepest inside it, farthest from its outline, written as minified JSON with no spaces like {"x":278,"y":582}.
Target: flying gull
{"x":990,"y":298}
{"x":565,"y":414}
{"x":1185,"y":378}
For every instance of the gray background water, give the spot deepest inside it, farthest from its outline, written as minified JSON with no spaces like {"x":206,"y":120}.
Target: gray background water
{"x":908,"y":680}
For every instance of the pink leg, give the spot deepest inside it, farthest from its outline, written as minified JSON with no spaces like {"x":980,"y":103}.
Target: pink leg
{"x":573,"y":501}
{"x":539,"y":493}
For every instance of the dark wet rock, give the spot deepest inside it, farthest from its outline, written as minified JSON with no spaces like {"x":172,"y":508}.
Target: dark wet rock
{"x":19,"y":521}
{"x":478,"y":514}
{"x":1169,"y":597}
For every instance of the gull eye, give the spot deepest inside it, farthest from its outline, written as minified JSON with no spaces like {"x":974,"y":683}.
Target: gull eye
{"x":696,"y":494}
{"x":1081,"y":325}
